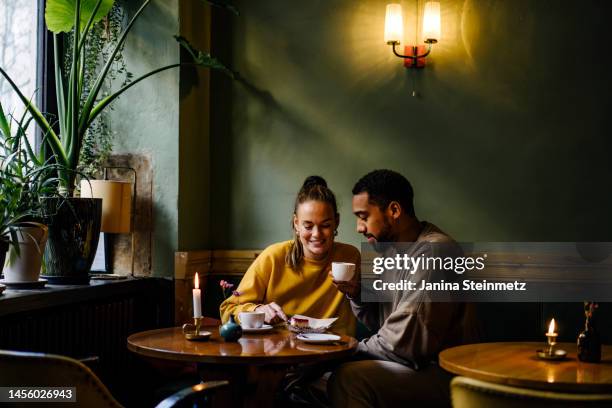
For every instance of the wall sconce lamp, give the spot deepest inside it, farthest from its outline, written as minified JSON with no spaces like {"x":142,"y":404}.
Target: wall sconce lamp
{"x":394,"y":32}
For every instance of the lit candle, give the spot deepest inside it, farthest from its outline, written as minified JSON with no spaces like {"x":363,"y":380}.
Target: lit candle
{"x":551,"y":336}
{"x":197,"y":297}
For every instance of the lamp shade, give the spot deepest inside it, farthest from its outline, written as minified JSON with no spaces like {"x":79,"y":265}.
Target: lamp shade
{"x":431,"y":21}
{"x":394,"y":25}
{"x":116,"y":203}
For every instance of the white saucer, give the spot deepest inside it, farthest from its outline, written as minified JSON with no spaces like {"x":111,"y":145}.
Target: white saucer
{"x":318,"y":338}
{"x":262,"y":329}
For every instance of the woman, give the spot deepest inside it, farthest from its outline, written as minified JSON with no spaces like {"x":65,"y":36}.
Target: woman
{"x":291,"y":277}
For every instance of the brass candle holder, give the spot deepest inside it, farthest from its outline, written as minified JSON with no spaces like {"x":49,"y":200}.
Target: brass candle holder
{"x":193,"y":331}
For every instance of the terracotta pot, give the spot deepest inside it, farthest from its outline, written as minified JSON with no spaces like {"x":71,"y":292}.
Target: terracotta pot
{"x":25,"y":267}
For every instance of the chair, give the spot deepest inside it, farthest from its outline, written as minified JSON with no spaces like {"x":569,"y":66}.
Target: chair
{"x":27,"y":369}
{"x":471,"y":393}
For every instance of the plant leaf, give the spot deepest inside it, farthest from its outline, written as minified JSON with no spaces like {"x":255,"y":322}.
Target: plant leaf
{"x":59,"y":14}
{"x":204,"y":59}
{"x":4,"y":124}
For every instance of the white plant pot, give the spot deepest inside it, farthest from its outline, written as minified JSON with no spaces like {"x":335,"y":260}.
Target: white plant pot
{"x":25,"y":267}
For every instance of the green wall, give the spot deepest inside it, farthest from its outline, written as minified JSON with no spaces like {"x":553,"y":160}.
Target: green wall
{"x":508,"y":137}
{"x":146,"y":119}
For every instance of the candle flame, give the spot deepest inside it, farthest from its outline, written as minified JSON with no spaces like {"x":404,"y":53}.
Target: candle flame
{"x":196,"y":280}
{"x":551,"y":327}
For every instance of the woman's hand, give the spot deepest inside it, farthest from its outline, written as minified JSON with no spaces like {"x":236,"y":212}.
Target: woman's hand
{"x":350,"y":288}
{"x":274,"y":313}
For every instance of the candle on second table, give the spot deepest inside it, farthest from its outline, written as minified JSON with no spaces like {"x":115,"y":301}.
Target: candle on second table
{"x":197,"y":297}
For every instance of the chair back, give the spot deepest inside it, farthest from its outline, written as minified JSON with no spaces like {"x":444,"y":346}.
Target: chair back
{"x":472,"y":393}
{"x":26,"y":369}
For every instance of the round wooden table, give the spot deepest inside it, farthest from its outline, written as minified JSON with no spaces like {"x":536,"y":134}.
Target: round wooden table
{"x":516,"y":364}
{"x":254,"y":366}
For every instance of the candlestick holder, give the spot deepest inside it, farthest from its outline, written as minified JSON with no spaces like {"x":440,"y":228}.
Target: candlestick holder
{"x":193,"y":331}
{"x":550,"y":353}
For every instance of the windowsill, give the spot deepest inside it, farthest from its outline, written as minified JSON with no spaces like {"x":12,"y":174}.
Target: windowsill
{"x":19,"y":301}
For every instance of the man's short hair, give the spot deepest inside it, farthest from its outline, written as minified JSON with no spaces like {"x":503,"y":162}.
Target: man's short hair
{"x":384,"y":186}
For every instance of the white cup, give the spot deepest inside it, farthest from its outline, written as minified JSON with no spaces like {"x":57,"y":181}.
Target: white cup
{"x":343,"y":271}
{"x":251,"y":320}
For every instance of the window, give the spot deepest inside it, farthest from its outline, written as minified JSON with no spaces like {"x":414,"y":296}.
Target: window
{"x":19,"y":31}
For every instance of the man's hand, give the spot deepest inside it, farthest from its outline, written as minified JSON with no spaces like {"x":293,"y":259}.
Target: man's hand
{"x":274,"y":313}
{"x":350,"y":288}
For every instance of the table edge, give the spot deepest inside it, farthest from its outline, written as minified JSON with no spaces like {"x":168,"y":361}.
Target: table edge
{"x":518,"y":382}
{"x":238,"y":360}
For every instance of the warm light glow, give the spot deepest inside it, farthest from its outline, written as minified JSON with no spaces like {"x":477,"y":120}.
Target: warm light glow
{"x":394,"y":25}
{"x":551,"y":327}
{"x":116,"y":203}
{"x":431,"y":21}
{"x":196,"y":281}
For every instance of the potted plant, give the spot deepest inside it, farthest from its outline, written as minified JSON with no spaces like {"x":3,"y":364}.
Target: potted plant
{"x":71,"y":248}
{"x":24,"y":184}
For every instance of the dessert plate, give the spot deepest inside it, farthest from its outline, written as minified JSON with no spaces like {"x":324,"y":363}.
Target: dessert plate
{"x":318,"y":338}
{"x":263,"y":329}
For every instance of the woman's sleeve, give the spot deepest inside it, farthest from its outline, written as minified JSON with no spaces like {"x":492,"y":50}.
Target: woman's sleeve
{"x":252,"y":288}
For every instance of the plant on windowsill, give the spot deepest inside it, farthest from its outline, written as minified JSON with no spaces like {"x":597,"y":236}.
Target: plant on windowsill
{"x":77,"y":221}
{"x":25,"y":182}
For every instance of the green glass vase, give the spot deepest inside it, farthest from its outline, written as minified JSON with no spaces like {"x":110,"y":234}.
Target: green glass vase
{"x":230,"y":331}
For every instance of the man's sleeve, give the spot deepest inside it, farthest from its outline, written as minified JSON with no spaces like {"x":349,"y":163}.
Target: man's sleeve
{"x":411,"y":335}
{"x":366,"y":313}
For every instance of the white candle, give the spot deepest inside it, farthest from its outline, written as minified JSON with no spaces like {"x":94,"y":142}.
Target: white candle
{"x":197,"y":297}
{"x":551,"y":328}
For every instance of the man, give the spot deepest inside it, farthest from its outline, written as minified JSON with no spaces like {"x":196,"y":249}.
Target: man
{"x":398,"y":363}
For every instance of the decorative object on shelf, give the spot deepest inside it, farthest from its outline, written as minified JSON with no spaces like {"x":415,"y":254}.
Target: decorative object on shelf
{"x":118,"y":198}
{"x":551,"y":353}
{"x":589,"y":341}
{"x":74,"y":230}
{"x":230,"y":331}
{"x":25,"y":265}
{"x":414,"y":55}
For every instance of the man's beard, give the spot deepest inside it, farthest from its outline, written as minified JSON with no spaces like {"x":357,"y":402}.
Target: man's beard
{"x":385,"y":235}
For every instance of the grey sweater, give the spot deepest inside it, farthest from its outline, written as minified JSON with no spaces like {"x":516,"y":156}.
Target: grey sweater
{"x":412,"y":329}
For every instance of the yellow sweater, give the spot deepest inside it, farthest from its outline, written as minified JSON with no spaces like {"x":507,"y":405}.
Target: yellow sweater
{"x":308,"y":291}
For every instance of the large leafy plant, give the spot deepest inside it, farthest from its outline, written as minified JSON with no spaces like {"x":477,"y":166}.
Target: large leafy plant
{"x":78,"y":105}
{"x":26,"y":179}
